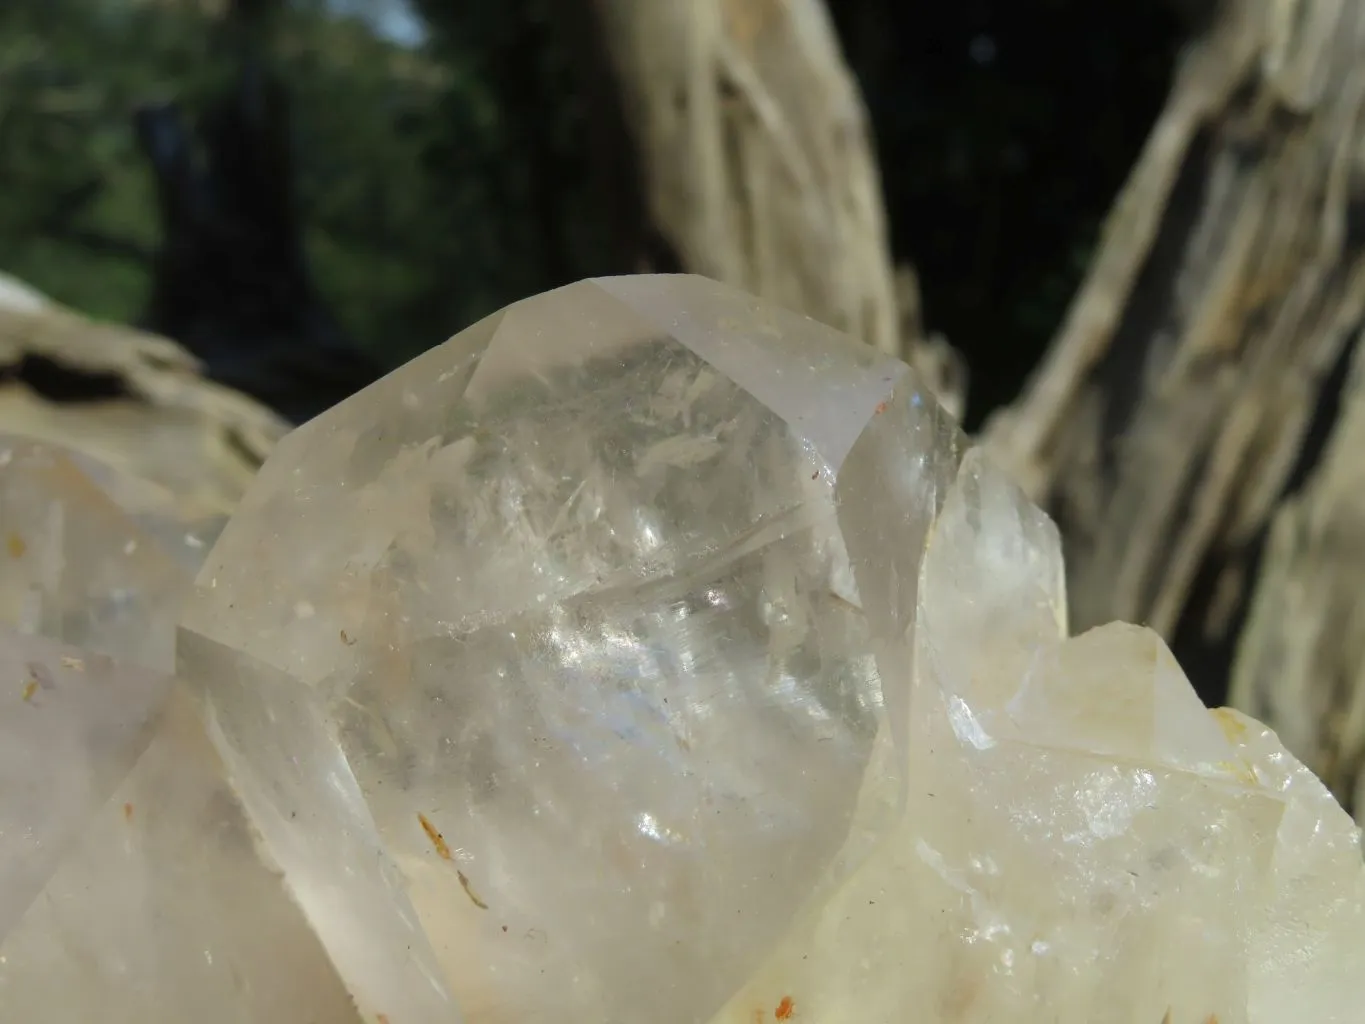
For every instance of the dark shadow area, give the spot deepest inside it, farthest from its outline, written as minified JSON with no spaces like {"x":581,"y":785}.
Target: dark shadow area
{"x":59,"y":382}
{"x":230,"y":281}
{"x":1005,"y":131}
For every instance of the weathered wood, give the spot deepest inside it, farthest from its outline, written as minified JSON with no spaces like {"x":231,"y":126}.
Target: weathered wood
{"x":1301,"y":657}
{"x":141,"y":404}
{"x":1175,"y":410}
{"x":758,"y":162}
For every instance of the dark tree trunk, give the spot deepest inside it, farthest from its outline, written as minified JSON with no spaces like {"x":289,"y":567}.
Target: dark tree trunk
{"x":231,"y":281}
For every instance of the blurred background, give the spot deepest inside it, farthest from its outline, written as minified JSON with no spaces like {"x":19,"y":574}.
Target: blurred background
{"x":1122,"y":242}
{"x":448,"y":157}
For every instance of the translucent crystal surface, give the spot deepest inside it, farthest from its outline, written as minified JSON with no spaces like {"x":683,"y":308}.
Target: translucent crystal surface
{"x":647,"y":653}
{"x":130,"y":886}
{"x":1082,"y":841}
{"x":75,"y":567}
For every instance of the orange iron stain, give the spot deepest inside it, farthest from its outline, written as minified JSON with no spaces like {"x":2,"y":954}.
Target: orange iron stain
{"x":16,"y":546}
{"x":881,"y":408}
{"x":464,"y":883}
{"x":127,"y":812}
{"x":383,"y":1018}
{"x":437,"y":840}
{"x":786,"y":1008}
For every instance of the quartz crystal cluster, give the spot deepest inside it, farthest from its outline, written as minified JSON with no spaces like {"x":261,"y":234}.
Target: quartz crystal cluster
{"x":131,"y":889}
{"x":643,"y":654}
{"x":646,"y":653}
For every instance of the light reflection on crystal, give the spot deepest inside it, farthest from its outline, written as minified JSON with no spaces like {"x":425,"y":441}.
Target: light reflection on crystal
{"x":691,"y":665}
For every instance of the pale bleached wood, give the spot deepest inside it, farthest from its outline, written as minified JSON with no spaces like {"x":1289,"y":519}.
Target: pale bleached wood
{"x":1301,"y":658}
{"x":198,"y":442}
{"x":1174,"y":414}
{"x":758,"y":162}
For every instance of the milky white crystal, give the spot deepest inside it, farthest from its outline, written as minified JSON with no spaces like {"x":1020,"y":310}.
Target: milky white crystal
{"x":1081,"y":840}
{"x":646,"y":653}
{"x":131,"y":890}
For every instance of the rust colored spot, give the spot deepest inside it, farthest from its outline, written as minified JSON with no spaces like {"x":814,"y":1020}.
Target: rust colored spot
{"x":437,"y":840}
{"x":881,"y":408}
{"x":16,"y":546}
{"x":127,"y":812}
{"x":464,"y":884}
{"x":30,"y":688}
{"x":346,"y":639}
{"x":1211,"y":1019}
{"x":786,"y":1008}
{"x":383,"y":1018}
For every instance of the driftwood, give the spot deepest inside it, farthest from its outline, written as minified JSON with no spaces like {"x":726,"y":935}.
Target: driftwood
{"x":1301,"y":658}
{"x":133,"y":401}
{"x":759,"y":166}
{"x":1186,"y":400}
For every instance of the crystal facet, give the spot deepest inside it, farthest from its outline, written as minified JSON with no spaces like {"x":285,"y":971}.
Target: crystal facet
{"x":648,"y":653}
{"x":132,"y":889}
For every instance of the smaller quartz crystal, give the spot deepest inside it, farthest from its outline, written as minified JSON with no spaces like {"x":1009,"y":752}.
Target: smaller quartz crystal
{"x":1082,"y":841}
{"x":131,"y":888}
{"x":76,"y":567}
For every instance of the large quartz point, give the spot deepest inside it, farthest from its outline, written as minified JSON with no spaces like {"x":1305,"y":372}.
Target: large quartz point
{"x":646,"y":653}
{"x":131,"y":889}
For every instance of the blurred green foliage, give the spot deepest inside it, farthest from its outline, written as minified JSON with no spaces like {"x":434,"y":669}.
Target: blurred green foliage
{"x":76,"y":206}
{"x":425,"y":199}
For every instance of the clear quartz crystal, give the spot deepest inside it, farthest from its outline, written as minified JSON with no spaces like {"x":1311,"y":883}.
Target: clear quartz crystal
{"x":649,"y":653}
{"x":132,"y":888}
